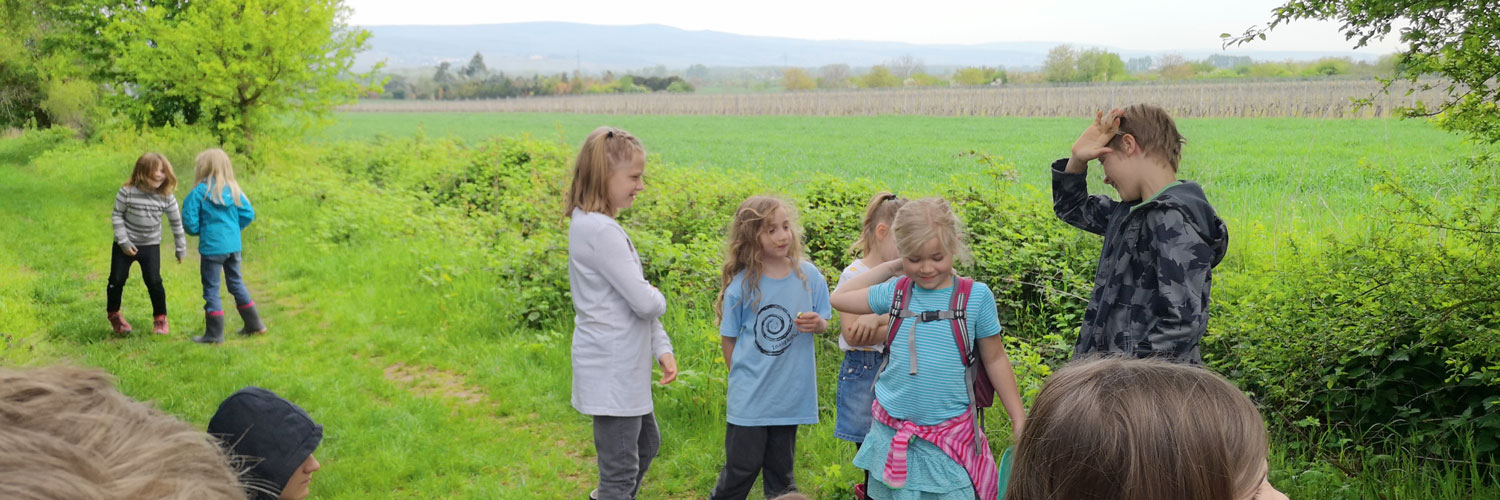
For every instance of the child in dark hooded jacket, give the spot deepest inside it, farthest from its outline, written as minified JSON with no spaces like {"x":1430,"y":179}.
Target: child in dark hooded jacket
{"x":1162,"y":239}
{"x":273,"y":439}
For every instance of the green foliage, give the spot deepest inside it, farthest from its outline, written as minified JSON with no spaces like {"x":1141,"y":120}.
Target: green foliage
{"x":1064,"y":64}
{"x":1451,"y":40}
{"x":256,"y":68}
{"x":797,"y":79}
{"x":1391,"y":337}
{"x":982,"y":75}
{"x":879,"y":77}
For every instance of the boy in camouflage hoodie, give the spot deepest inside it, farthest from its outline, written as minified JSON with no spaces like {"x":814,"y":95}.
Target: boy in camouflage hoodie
{"x":1161,"y":240}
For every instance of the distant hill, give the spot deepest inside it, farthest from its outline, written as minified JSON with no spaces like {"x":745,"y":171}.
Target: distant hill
{"x":555,"y":47}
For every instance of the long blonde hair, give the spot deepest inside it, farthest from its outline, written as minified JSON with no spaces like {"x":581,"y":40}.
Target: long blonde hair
{"x":212,"y":166}
{"x":147,"y":163}
{"x":881,"y":210}
{"x":919,"y":221}
{"x":67,"y":433}
{"x":743,"y":251}
{"x":605,"y":149}
{"x":1128,"y":429}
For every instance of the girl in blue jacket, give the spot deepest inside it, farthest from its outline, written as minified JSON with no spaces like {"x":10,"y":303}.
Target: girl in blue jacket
{"x":216,"y":211}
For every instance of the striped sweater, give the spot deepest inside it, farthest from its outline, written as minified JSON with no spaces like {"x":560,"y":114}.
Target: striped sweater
{"x":137,"y":219}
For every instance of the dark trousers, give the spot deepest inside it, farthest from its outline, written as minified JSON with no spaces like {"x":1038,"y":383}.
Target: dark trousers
{"x":119,"y":270}
{"x":626,"y":446}
{"x":757,"y":451}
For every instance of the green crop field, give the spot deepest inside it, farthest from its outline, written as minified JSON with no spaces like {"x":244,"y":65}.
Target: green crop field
{"x":1270,"y":178}
{"x":391,"y":313}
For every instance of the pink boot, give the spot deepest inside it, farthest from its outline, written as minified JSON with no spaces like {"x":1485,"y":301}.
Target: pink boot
{"x":118,"y":323}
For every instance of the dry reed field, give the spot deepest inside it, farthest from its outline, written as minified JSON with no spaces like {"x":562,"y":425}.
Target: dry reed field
{"x":1278,"y":99}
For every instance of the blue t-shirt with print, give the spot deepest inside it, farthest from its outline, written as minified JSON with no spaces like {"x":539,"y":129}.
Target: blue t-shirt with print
{"x":773,"y":378}
{"x":936,"y":393}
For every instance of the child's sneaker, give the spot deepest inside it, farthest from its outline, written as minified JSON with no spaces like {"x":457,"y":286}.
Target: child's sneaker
{"x":859,"y":492}
{"x":159,"y":325}
{"x":118,"y":323}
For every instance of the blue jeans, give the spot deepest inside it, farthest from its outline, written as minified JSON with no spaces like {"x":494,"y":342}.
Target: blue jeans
{"x":209,"y":266}
{"x":856,"y":394}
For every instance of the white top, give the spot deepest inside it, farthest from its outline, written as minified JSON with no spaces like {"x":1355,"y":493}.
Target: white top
{"x":855,"y":268}
{"x":617,"y":334}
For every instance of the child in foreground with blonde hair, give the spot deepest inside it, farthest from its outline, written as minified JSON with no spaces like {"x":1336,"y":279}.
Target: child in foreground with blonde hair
{"x":216,"y":211}
{"x":1186,"y":434}
{"x":770,"y":298}
{"x":926,"y":442}
{"x":617,"y":331}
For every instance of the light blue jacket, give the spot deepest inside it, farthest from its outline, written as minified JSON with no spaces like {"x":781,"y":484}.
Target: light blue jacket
{"x":216,"y":226}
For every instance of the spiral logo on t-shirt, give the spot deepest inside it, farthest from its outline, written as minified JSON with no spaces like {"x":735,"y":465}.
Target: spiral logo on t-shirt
{"x":774,"y":330}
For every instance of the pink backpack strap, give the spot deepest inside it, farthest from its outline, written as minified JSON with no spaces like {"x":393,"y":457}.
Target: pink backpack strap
{"x":958,"y":303}
{"x":898,"y":306}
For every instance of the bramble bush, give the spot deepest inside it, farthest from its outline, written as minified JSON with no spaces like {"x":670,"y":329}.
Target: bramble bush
{"x":1389,"y":339}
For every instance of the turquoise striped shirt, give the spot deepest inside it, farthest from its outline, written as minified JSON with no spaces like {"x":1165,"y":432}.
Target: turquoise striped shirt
{"x":936,"y":393}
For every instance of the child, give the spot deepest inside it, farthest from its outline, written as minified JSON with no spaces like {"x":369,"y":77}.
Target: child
{"x":274,"y":440}
{"x":1187,"y":434}
{"x":769,"y":297}
{"x":863,"y":335}
{"x":1161,"y":241}
{"x":216,"y":211}
{"x":617,"y":332}
{"x":139,"y":205}
{"x":68,"y":433}
{"x":923,"y":392}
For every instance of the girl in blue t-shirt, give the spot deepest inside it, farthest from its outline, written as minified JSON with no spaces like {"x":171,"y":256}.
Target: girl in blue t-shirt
{"x":924,"y":442}
{"x":769,"y":299}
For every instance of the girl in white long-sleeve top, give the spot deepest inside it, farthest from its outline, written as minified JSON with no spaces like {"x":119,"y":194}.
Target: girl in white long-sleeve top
{"x":617,"y":332}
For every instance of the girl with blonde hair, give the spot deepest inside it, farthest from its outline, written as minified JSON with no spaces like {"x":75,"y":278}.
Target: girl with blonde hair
{"x":770,"y":298}
{"x":925,"y":441}
{"x":217,"y":211}
{"x":617,"y":330}
{"x":139,"y":205}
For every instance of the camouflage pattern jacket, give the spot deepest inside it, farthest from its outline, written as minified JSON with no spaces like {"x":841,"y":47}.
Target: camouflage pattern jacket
{"x":1151,"y":289}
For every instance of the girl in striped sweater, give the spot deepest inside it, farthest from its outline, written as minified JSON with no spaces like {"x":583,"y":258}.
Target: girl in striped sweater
{"x":139,"y":205}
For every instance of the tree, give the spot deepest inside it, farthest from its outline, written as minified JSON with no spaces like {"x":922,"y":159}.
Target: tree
{"x":256,"y":66}
{"x":796,"y":79}
{"x":879,"y":77}
{"x":45,"y":76}
{"x":834,"y":76}
{"x":476,"y":67}
{"x":1451,"y":39}
{"x":1175,"y":67}
{"x":906,"y":66}
{"x":1060,"y":65}
{"x":1098,"y":65}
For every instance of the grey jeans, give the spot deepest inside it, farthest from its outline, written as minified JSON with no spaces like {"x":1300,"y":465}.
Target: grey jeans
{"x":625,"y":446}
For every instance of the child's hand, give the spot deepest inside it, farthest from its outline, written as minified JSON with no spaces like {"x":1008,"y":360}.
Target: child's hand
{"x":1095,"y":140}
{"x":129,"y":250}
{"x":179,"y":257}
{"x":811,"y":322}
{"x":668,"y":368}
{"x":864,"y":331}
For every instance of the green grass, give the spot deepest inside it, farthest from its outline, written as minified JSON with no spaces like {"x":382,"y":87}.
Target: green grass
{"x":1289,"y":175}
{"x":389,"y":339}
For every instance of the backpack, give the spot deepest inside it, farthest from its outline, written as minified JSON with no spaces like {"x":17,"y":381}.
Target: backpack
{"x":981,"y":391}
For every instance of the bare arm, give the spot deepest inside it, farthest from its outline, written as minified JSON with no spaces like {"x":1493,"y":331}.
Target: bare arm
{"x":727,"y":343}
{"x":1003,"y":377}
{"x":854,"y":297}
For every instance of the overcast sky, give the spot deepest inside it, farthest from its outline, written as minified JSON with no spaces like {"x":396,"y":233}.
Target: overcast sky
{"x":1159,"y":25}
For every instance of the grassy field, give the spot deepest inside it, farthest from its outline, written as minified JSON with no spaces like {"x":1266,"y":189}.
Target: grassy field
{"x":1267,"y":177}
{"x":389,"y":340}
